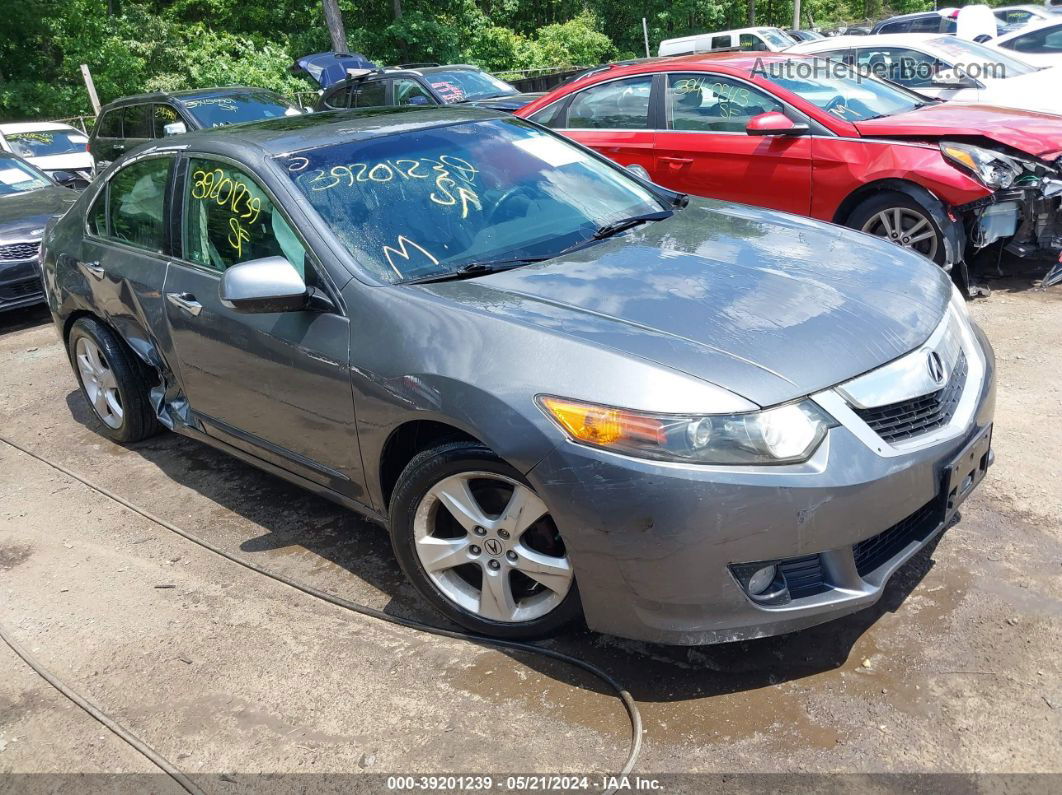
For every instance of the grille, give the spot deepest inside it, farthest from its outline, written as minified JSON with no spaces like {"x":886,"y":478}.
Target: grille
{"x":18,"y":251}
{"x":879,"y":549}
{"x":21,"y":289}
{"x":908,"y":418}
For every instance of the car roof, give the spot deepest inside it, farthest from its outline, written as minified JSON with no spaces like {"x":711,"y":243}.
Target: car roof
{"x":35,"y":126}
{"x":731,"y":31}
{"x":295,"y":133}
{"x":190,"y":93}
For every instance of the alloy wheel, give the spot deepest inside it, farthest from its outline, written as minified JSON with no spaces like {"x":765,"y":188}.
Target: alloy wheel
{"x":101,"y":386}
{"x":488,"y":544}
{"x":905,"y":227}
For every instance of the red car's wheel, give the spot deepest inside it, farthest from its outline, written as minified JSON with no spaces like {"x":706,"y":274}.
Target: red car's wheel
{"x":901,"y":220}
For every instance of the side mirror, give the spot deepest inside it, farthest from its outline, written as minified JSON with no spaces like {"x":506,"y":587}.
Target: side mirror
{"x":774,"y":123}
{"x":174,"y":128}
{"x":269,"y":284}
{"x":66,"y":179}
{"x":639,"y":171}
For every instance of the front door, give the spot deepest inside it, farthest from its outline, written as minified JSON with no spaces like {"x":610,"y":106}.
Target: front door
{"x":274,"y":385}
{"x":613,"y":118}
{"x":705,"y":150}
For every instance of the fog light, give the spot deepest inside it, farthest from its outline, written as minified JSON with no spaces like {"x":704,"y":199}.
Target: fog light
{"x":761,"y":580}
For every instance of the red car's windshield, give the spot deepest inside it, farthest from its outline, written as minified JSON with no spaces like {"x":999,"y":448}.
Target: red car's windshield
{"x":838,"y":90}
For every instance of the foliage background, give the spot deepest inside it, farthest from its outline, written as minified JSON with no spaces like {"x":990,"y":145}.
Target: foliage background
{"x":142,"y":45}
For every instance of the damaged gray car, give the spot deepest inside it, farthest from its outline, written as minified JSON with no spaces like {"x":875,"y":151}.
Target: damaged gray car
{"x":565,"y":391}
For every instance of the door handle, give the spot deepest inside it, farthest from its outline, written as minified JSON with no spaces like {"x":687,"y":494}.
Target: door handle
{"x":119,"y":147}
{"x":94,"y":269}
{"x":678,"y":161}
{"x":185,"y":301}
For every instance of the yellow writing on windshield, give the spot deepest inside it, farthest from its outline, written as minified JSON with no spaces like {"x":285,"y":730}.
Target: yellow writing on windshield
{"x":404,"y":252}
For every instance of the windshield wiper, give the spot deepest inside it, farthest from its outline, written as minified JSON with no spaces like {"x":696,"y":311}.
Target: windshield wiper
{"x":473,"y":269}
{"x":608,"y":230}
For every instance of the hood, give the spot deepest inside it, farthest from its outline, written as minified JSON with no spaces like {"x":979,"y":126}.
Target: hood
{"x":1037,"y":134}
{"x":510,"y":103}
{"x":767,"y":305}
{"x":23,"y":215}
{"x":71,"y":161}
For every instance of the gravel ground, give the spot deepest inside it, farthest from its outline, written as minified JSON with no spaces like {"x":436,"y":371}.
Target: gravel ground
{"x":224,"y":671}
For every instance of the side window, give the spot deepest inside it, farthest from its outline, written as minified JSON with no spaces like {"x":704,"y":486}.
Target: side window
{"x":926,"y":25}
{"x":368,"y":95}
{"x":137,"y":203}
{"x":750,"y":42}
{"x":712,"y":103}
{"x":163,"y":115}
{"x":338,"y":99}
{"x":97,"y":215}
{"x":721,"y":42}
{"x":838,"y":56}
{"x":551,"y":115}
{"x":896,"y":27}
{"x":900,"y":65}
{"x":410,"y":92}
{"x":229,"y":219}
{"x":110,"y":126}
{"x":1041,"y":41}
{"x":620,"y":104}
{"x":136,"y":122}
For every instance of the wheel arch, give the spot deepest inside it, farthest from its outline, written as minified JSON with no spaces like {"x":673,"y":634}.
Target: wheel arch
{"x":954,"y":233}
{"x":405,"y":442}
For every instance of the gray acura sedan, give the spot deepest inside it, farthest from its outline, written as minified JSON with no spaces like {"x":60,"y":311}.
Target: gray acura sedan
{"x":564,"y":390}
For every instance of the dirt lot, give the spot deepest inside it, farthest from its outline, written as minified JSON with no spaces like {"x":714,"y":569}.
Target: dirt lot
{"x":958,"y":669}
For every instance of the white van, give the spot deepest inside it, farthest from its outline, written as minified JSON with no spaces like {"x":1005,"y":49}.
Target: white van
{"x":745,"y":39}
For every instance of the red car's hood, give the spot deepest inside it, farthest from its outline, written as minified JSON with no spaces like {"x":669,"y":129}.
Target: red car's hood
{"x":1037,"y":134}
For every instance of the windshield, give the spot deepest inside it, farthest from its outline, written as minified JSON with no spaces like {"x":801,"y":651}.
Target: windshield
{"x":977,"y":61}
{"x":776,"y":38}
{"x":19,"y":177}
{"x":41,"y":143}
{"x":836,"y":89}
{"x":427,"y":202}
{"x":462,"y":85}
{"x":219,"y":110}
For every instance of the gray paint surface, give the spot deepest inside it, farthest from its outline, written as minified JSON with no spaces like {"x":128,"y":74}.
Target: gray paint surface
{"x":720,"y":305}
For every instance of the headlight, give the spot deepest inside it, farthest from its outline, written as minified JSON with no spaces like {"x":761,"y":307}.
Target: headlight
{"x":780,"y":435}
{"x":992,"y":168}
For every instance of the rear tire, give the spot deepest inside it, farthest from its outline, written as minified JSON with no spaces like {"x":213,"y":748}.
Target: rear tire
{"x":114,"y":382}
{"x":898,"y":218}
{"x":477,"y":542}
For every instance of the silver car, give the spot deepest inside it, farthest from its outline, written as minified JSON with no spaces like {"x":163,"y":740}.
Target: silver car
{"x":566,"y":392}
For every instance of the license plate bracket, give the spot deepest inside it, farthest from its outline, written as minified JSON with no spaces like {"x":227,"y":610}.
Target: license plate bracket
{"x":965,"y":471}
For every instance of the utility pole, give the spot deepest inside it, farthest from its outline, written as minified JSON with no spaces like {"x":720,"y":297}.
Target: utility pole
{"x":334,"y":20}
{"x":796,"y":14}
{"x":645,"y":33}
{"x":91,"y":88}
{"x":752,"y":12}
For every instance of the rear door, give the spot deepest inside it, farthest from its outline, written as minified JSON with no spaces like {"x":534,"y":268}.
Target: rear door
{"x":705,"y":150}
{"x":273,"y":385}
{"x":616,"y":118}
{"x":105,"y":136}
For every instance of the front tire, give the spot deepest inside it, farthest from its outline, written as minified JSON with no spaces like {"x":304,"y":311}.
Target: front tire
{"x":477,"y":542}
{"x":113,"y":381}
{"x":900,"y":219}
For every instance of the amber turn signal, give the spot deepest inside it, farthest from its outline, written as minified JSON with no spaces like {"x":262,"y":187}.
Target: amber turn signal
{"x":601,"y":425}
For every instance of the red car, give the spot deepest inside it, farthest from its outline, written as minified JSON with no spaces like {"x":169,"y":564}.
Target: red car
{"x":812,"y":137}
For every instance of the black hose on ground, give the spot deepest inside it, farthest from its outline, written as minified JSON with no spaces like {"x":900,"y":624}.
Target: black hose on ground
{"x":625,"y":697}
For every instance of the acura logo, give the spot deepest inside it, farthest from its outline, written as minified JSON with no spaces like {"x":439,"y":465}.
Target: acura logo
{"x":936,"y":366}
{"x":493,"y":546}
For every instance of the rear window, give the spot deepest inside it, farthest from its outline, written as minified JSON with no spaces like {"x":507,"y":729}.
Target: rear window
{"x":218,"y":110}
{"x":42,"y":143}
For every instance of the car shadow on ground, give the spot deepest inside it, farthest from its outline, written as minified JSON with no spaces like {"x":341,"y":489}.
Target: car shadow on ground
{"x":19,"y":319}
{"x":292,"y":518}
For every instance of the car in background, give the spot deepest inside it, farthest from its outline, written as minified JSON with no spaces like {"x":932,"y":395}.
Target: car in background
{"x":746,"y":39}
{"x":947,"y":68}
{"x":782,"y":412}
{"x":424,"y":86}
{"x":1039,"y":43}
{"x":28,"y":199}
{"x":943,"y":21}
{"x":50,"y":146}
{"x":846,"y":30}
{"x":130,"y":121}
{"x":814,"y":138}
{"x":804,"y":35}
{"x":1014,"y":17}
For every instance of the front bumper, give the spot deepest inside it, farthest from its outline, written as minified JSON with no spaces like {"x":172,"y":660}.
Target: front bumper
{"x":20,"y":284}
{"x":653,"y":544}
